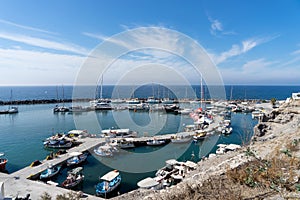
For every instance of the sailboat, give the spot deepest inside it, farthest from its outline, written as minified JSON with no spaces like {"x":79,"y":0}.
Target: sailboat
{"x":60,"y":108}
{"x":101,"y":104}
{"x":10,"y":110}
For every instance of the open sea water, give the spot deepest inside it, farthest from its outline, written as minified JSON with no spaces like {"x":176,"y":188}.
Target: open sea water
{"x":21,"y":134}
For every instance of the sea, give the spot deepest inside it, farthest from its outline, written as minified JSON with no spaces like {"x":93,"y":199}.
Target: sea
{"x":22,"y":134}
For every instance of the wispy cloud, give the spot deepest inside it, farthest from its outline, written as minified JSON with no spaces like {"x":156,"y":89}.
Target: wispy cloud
{"x":44,"y":43}
{"x":26,"y":27}
{"x":38,"y":67}
{"x":217,"y":27}
{"x":238,"y":49}
{"x":261,"y":71}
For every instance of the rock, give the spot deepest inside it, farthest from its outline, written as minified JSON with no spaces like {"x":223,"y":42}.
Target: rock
{"x":260,"y":129}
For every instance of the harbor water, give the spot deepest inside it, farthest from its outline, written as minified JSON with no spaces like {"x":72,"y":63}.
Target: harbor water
{"x":22,"y":138}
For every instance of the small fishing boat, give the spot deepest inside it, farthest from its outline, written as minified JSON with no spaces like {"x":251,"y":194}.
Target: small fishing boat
{"x":156,"y":142}
{"x":109,"y":183}
{"x":77,"y":159}
{"x":200,"y":135}
{"x":60,"y":109}
{"x":117,"y":133}
{"x":126,"y":144}
{"x":150,"y":183}
{"x":3,"y":162}
{"x":104,"y":151}
{"x":58,"y":144}
{"x":181,"y":138}
{"x":50,"y":172}
{"x":74,"y":178}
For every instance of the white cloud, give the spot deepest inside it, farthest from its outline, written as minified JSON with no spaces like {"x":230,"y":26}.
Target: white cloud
{"x":215,"y":26}
{"x":43,"y":43}
{"x":25,"y":27}
{"x":36,"y":67}
{"x":238,"y":49}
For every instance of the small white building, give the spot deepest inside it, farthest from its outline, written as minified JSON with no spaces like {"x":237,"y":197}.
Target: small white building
{"x":296,"y":96}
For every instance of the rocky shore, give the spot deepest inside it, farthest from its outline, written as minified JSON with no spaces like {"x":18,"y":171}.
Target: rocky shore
{"x":267,"y":168}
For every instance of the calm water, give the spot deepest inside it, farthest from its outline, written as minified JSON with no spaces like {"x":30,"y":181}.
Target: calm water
{"x":59,"y":92}
{"x":22,"y":134}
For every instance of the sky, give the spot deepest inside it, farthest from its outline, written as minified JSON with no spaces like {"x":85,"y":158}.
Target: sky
{"x":251,"y":42}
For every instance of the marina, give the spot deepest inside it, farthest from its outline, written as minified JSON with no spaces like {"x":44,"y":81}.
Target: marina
{"x":193,"y":129}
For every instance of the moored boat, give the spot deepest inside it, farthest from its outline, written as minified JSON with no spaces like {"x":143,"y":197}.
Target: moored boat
{"x":200,"y":135}
{"x":77,"y":159}
{"x":50,"y":172}
{"x":156,"y":142}
{"x":74,"y":178}
{"x":58,"y":144}
{"x":104,"y":151}
{"x":3,"y":162}
{"x":109,"y":183}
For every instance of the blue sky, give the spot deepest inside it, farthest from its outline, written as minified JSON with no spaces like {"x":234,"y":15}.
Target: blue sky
{"x":251,"y":42}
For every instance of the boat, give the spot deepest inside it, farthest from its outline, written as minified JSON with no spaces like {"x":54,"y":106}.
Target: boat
{"x":13,"y":110}
{"x":257,"y":114}
{"x":126,"y":144}
{"x":101,"y":104}
{"x":60,"y":109}
{"x":109,"y":183}
{"x":78,"y":109}
{"x":185,"y":111}
{"x":119,"y":133}
{"x":3,"y":162}
{"x":77,"y":159}
{"x":74,"y":178}
{"x":155,"y":142}
{"x":181,"y":138}
{"x":58,"y":144}
{"x":50,"y":172}
{"x":10,"y":110}
{"x":104,"y":151}
{"x":152,"y":100}
{"x":139,"y":107}
{"x":171,"y":108}
{"x":133,"y":101}
{"x":167,"y":101}
{"x":150,"y":183}
{"x":200,"y":135}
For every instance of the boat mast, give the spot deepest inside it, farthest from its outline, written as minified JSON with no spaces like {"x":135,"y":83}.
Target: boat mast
{"x":101,"y":85}
{"x":63,"y":95}
{"x":201,"y":85}
{"x":231,"y":93}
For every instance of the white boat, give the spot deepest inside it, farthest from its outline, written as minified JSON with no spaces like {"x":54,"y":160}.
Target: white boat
{"x":167,"y":101}
{"x":119,"y":133}
{"x":152,"y":100}
{"x":156,"y":142}
{"x":185,"y":111}
{"x":150,"y":183}
{"x":104,"y":151}
{"x":133,"y":101}
{"x":257,"y":114}
{"x":109,"y":183}
{"x":101,"y":104}
{"x":13,"y":110}
{"x":182,"y":138}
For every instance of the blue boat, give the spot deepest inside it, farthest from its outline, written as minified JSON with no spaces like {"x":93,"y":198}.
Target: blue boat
{"x":109,"y":183}
{"x":50,"y":172}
